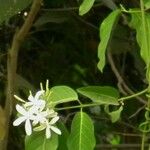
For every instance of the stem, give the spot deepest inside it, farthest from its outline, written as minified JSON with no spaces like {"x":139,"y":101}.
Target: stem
{"x":143,"y":141}
{"x":134,"y":95}
{"x":78,"y":106}
{"x":96,"y":104}
{"x":12,"y":66}
{"x":123,"y":87}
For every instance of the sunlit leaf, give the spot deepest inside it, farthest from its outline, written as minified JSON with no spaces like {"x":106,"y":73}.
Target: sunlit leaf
{"x":82,"y":133}
{"x":100,"y":94}
{"x":142,"y":37}
{"x":61,"y":94}
{"x":115,"y":140}
{"x":38,"y":141}
{"x":85,"y":6}
{"x":106,"y":29}
{"x":147,"y":4}
{"x":9,"y":8}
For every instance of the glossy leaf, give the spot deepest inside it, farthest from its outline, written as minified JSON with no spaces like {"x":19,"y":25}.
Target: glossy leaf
{"x":9,"y":8}
{"x":38,"y":141}
{"x":85,"y":6}
{"x":115,"y":115}
{"x":82,"y":133}
{"x":100,"y":94}
{"x":61,"y":94}
{"x":106,"y":29}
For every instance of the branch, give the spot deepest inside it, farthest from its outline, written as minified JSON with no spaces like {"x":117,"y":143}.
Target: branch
{"x":123,"y":87}
{"x":12,"y":65}
{"x":68,"y":8}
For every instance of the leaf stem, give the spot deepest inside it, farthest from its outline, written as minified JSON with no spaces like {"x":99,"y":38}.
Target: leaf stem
{"x":96,"y":104}
{"x":134,"y":95}
{"x":78,"y":106}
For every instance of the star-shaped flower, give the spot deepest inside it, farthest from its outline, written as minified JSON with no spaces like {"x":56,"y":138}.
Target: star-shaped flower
{"x":35,"y":113}
{"x":35,"y":102}
{"x":26,"y":116}
{"x":49,"y":126}
{"x":43,"y":116}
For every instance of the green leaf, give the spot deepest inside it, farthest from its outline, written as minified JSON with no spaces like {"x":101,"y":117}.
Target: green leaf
{"x":115,"y":115}
{"x":142,"y":37}
{"x":63,"y":138}
{"x":9,"y":8}
{"x":82,"y":133}
{"x":115,"y":140}
{"x":100,"y":94}
{"x":61,"y":94}
{"x":106,"y":29}
{"x":38,"y":141}
{"x":51,"y":17}
{"x":147,"y":4}
{"x":85,"y":6}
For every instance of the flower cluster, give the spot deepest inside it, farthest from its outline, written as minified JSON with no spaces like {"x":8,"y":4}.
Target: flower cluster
{"x":36,"y":115}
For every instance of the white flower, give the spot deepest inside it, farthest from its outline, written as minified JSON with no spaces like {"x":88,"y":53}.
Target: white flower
{"x":43,"y":116}
{"x":49,"y":126}
{"x":26,"y":116}
{"x":35,"y":113}
{"x":35,"y":102}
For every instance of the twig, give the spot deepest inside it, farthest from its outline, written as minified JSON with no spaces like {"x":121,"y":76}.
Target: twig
{"x":128,"y":145}
{"x":68,"y":8}
{"x":86,"y":22}
{"x":12,"y":64}
{"x":138,"y":111}
{"x":124,"y":89}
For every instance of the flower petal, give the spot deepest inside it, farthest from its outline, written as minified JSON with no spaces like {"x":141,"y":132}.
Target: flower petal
{"x":48,"y":133}
{"x":31,"y":98}
{"x":38,"y":94}
{"x":33,"y":109}
{"x":19,"y":120}
{"x":21,"y":110}
{"x":27,"y":104}
{"x":28,"y":127}
{"x":54,"y":120}
{"x":39,"y":128}
{"x":56,"y":130}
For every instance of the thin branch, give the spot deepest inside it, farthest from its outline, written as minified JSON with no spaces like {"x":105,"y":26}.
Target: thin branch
{"x":128,"y":145}
{"x":137,"y":112}
{"x":12,"y":64}
{"x":68,"y":8}
{"x":123,"y":87}
{"x":86,"y":22}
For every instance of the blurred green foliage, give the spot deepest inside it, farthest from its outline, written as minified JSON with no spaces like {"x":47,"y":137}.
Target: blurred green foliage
{"x":62,"y":47}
